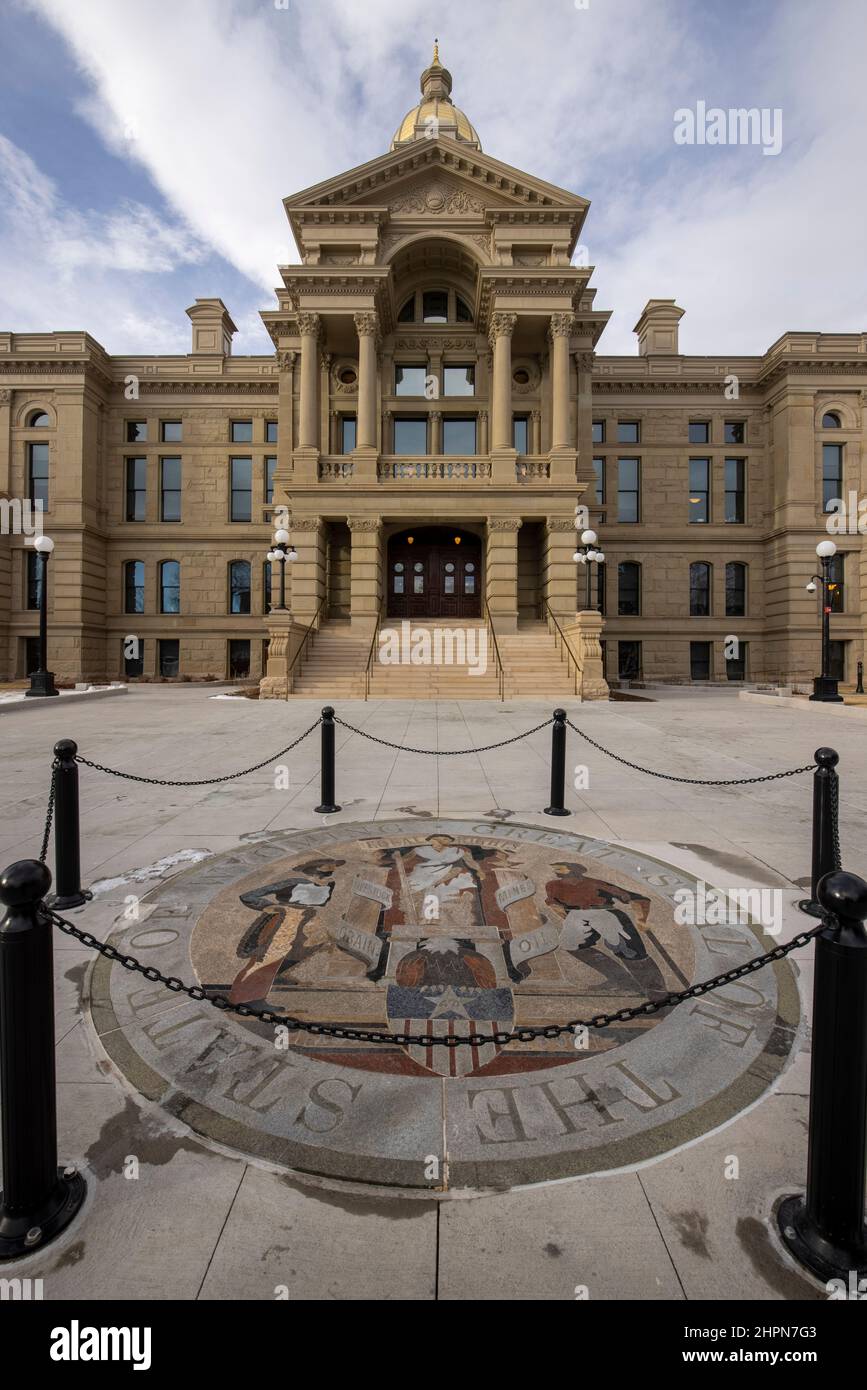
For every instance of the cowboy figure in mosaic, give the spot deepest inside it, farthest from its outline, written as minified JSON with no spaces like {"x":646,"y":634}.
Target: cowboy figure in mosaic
{"x":287,"y":931}
{"x":597,"y":931}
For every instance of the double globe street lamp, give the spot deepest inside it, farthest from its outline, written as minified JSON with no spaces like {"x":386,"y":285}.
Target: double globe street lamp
{"x":42,"y":681}
{"x":825,"y":686}
{"x":588,"y":556}
{"x":282,"y":550}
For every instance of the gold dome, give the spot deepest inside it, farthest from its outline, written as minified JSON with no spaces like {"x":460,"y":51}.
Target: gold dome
{"x":436,"y":114}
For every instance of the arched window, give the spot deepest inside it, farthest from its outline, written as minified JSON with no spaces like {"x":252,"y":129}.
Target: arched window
{"x":435,"y":306}
{"x":463,"y":312}
{"x":736,"y":590}
{"x":38,"y":420}
{"x":170,"y":586}
{"x":831,"y":421}
{"x":239,"y":586}
{"x":407,"y":313}
{"x":628,"y":589}
{"x":699,"y":590}
{"x":133,"y":586}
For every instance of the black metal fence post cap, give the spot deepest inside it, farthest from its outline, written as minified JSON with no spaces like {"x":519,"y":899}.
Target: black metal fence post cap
{"x":826,"y":757}
{"x":559,"y":714}
{"x":328,"y":712}
{"x":25,"y":881}
{"x":66,"y":750}
{"x":843,"y":894}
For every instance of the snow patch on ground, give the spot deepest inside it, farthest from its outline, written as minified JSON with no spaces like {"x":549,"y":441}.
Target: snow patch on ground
{"x":150,"y":871}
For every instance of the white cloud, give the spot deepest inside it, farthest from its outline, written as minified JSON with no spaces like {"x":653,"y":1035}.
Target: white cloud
{"x":231,"y":104}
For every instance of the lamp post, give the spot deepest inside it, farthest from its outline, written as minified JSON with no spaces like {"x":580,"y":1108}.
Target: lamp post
{"x":588,"y":556}
{"x":281,"y":551}
{"x":42,"y":681}
{"x":825,"y":686}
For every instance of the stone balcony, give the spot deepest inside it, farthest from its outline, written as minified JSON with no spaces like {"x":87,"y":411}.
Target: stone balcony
{"x":432,"y":468}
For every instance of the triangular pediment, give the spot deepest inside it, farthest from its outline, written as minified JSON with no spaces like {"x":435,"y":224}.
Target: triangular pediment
{"x":416,"y":170}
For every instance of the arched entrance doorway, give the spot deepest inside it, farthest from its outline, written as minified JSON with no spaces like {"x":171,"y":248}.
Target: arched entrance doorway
{"x":434,"y":572}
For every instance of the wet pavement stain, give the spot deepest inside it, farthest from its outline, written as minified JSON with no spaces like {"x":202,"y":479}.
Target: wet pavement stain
{"x":692,"y":1228}
{"x":395,"y":1208}
{"x":732,"y":863}
{"x":73,"y":1256}
{"x":755,"y":1241}
{"x":132,"y":1133}
{"x":553,"y":1250}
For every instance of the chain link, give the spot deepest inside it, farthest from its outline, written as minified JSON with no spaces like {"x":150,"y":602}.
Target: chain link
{"x":835,"y":822}
{"x":203,"y":781}
{"x":500,"y":1037}
{"x":442,"y":752}
{"x":692,"y":781}
{"x":49,"y":815}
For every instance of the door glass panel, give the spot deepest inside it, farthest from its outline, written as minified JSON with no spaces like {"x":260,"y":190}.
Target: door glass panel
{"x":449,"y":580}
{"x":418,"y":579}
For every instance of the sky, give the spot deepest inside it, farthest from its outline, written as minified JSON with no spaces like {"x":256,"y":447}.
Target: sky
{"x":146,"y":145}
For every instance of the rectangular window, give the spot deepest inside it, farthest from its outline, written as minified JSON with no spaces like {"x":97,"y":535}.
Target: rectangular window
{"x":629,"y":661}
{"x":598,"y":431}
{"x":270,"y":470}
{"x":169,"y":655}
{"x":410,"y":436}
{"x":736,"y":666}
{"x":270,"y":431}
{"x":627,"y":432}
{"x":699,"y":661}
{"x":170,"y":489}
{"x":735,"y":432}
{"x":266,"y":584}
{"x":699,"y":590}
{"x":170,"y":586}
{"x":734,"y":477}
{"x":348,"y":433}
{"x":133,"y":583}
{"x":242,"y":489}
{"x":699,"y":491}
{"x":832,"y":474}
{"x":628,"y":589}
{"x":37,"y":474}
{"x":699,"y":432}
{"x":32,"y":580}
{"x":836,"y":587}
{"x":736,"y":590}
{"x":136,"y":489}
{"x":171,"y":431}
{"x":133,"y":657}
{"x":459,"y":436}
{"x":239,"y":658}
{"x":521,"y":434}
{"x":459,"y":381}
{"x":136,"y":431}
{"x":599,"y":471}
{"x":242,"y":432}
{"x":409,"y":380}
{"x":837,"y":660}
{"x":627,"y":490}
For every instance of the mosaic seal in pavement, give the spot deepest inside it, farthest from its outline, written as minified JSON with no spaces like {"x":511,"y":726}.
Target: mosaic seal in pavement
{"x":434,"y":927}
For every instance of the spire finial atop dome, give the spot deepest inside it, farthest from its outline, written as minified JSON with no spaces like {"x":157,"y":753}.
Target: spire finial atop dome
{"x":436,"y":56}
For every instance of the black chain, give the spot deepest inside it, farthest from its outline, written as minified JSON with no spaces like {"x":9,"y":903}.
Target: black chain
{"x":693,"y":781}
{"x":442,"y":752}
{"x":203,"y":781}
{"x":835,"y":823}
{"x":501,"y":1038}
{"x":49,"y":815}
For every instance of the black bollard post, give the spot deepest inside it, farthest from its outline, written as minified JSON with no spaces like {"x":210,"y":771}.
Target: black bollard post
{"x":558,"y":765}
{"x":327,"y":782}
{"x":825,"y":1229}
{"x":859,"y":688}
{"x":39,"y":1199}
{"x":67,"y":844}
{"x":825,"y":831}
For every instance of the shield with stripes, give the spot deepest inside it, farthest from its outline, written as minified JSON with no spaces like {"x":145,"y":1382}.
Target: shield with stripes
{"x":449,"y":988}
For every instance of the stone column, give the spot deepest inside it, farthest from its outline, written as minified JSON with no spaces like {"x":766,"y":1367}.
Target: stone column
{"x":436,"y":431}
{"x":560,"y":332}
{"x":306,"y":575}
{"x":387,"y":432}
{"x":536,"y":429}
{"x":584,"y":636}
{"x":501,"y":572}
{"x":367,"y":328}
{"x":310,"y":327}
{"x":284,"y":638}
{"x":559,"y":584}
{"x":484,"y":447}
{"x":365,"y":573}
{"x":500,"y":333}
{"x":285,"y":426}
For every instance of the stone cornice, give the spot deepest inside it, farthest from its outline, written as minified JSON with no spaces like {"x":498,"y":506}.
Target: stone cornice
{"x":150,"y":387}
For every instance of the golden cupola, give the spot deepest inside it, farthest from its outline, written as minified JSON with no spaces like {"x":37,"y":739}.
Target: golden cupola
{"x":436,"y":113}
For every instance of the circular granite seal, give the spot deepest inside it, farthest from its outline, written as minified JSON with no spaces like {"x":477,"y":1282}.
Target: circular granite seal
{"x":434,"y":928}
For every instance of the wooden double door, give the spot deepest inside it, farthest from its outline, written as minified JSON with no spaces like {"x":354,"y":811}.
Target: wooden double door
{"x":434,"y":573}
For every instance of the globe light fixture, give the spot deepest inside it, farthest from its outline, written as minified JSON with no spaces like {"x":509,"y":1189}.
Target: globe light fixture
{"x":588,"y":556}
{"x":42,"y":680}
{"x":825,"y":686}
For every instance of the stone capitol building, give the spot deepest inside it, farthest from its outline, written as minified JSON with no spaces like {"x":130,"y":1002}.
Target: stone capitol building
{"x":434,"y":410}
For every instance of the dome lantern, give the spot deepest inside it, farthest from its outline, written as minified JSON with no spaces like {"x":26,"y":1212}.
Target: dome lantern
{"x":436,"y":113}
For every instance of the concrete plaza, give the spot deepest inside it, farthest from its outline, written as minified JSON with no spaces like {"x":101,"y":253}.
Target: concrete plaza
{"x":201,"y":1222}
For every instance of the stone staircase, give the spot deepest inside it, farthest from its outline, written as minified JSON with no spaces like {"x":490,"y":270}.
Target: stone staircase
{"x":334,"y":667}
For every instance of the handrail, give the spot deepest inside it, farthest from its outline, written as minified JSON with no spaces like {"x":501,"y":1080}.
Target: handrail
{"x":369,"y":666}
{"x":302,"y":646}
{"x":552,"y":619}
{"x":501,"y":674}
